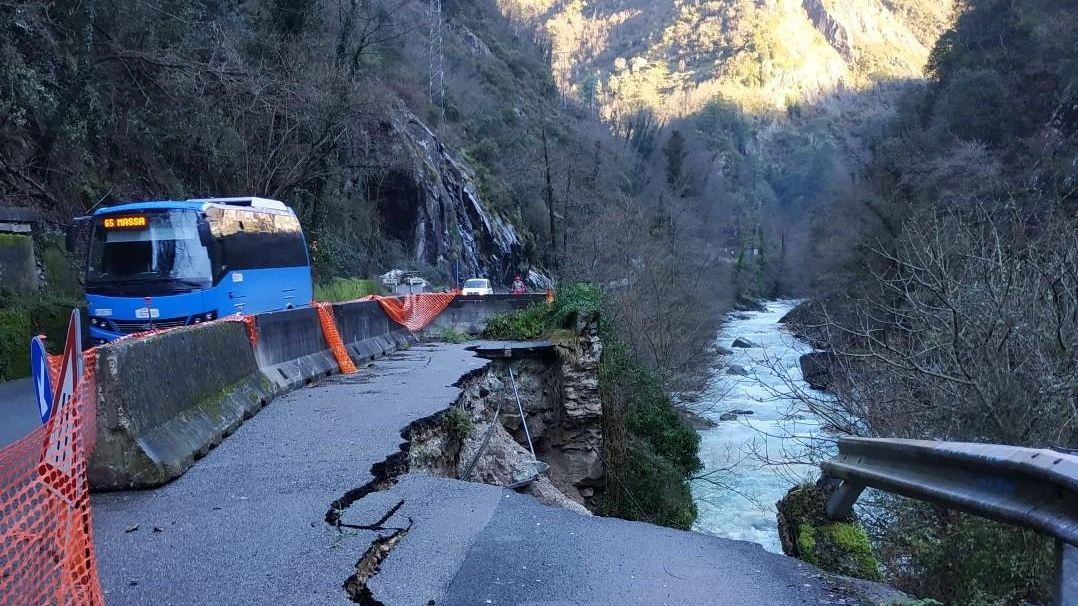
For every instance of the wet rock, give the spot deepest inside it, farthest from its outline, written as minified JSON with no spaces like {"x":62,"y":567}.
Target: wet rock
{"x":737,"y":370}
{"x":698,"y":421}
{"x":723,"y":351}
{"x":816,"y":368}
{"x":743,"y":343}
{"x":734,"y":414}
{"x":838,"y":546}
{"x":746,"y":304}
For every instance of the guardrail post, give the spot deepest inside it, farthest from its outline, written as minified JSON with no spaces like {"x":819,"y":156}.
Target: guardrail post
{"x":840,"y":505}
{"x":1066,"y":574}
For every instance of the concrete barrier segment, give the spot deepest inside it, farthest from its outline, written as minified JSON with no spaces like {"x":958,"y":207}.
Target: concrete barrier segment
{"x":166,"y":399}
{"x":291,"y":349}
{"x":367,"y":331}
{"x":470,"y":314}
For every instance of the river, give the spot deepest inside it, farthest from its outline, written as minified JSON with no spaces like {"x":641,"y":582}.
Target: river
{"x":739,"y":500}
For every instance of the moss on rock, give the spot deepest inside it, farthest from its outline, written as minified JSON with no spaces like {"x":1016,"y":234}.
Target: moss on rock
{"x":14,"y":343}
{"x":838,"y":546}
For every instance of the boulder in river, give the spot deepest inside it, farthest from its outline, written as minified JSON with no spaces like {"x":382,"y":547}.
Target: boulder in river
{"x":737,"y":370}
{"x":723,"y":351}
{"x":696,"y":420}
{"x":746,"y":304}
{"x":743,"y":343}
{"x":734,"y":414}
{"x":816,"y":368}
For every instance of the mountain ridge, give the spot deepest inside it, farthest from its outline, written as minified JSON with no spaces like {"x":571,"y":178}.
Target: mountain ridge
{"x":673,"y":56}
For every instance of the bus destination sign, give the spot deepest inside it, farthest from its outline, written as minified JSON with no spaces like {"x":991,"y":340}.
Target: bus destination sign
{"x":126,"y":222}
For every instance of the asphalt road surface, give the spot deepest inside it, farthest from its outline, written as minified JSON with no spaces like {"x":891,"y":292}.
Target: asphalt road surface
{"x":247,"y":524}
{"x":18,"y":410}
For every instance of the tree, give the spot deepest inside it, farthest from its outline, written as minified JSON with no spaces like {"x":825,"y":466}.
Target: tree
{"x":974,"y":106}
{"x":675,"y":159}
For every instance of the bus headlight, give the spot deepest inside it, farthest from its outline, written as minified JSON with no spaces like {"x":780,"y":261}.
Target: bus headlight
{"x":209,"y":316}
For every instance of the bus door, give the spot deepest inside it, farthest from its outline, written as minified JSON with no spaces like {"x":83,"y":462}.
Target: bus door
{"x":238,"y":292}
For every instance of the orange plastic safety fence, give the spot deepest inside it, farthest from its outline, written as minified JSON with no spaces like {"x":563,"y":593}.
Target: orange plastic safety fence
{"x":416,"y":311}
{"x":252,"y":329}
{"x":46,"y":536}
{"x":329,"y":329}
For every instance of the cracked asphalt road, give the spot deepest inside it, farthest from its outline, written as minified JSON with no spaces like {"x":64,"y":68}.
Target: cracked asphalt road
{"x":247,"y":524}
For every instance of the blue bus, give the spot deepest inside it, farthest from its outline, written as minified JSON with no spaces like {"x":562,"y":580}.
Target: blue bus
{"x":165,"y":264}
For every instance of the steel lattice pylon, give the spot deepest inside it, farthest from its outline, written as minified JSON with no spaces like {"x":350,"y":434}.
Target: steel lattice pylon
{"x":437,"y":84}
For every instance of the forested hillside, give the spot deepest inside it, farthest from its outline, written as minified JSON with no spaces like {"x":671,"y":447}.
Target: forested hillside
{"x":948,"y":282}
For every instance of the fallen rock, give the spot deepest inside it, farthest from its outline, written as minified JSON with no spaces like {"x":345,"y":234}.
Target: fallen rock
{"x":738,"y":411}
{"x":743,"y":343}
{"x":737,"y":370}
{"x":728,"y":416}
{"x":723,"y":351}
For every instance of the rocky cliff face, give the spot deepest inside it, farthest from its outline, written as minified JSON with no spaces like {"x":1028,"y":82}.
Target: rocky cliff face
{"x":434,"y":206}
{"x":868,"y":36}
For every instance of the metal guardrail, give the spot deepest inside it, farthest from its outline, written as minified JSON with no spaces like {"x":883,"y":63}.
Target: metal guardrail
{"x":1027,"y":487}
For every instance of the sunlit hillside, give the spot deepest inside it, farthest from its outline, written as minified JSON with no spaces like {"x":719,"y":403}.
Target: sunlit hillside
{"x":673,"y":56}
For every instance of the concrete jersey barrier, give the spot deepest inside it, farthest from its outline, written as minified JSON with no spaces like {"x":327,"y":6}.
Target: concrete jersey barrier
{"x":469,"y":314}
{"x":166,"y":399}
{"x":367,"y":331}
{"x":290,"y":348}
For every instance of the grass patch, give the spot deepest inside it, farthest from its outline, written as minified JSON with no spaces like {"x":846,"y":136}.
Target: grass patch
{"x":450,"y":334}
{"x":458,"y":422}
{"x":345,"y":289}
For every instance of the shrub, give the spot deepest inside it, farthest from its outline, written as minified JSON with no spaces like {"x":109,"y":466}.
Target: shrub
{"x":522,"y":325}
{"x":458,"y":422}
{"x":650,"y":450}
{"x":450,"y":334}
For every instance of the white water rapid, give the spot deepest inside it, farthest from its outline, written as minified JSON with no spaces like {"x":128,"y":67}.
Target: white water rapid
{"x":739,"y":500}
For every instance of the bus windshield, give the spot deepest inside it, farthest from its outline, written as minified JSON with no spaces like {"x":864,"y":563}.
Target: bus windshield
{"x":147,"y":251}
